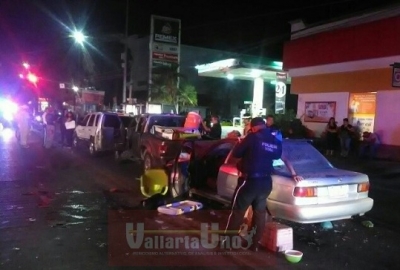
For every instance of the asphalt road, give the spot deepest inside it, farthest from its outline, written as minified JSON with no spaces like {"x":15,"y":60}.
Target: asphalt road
{"x":66,"y":210}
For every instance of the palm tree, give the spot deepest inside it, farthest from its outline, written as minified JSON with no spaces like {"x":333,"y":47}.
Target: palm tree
{"x":171,"y":87}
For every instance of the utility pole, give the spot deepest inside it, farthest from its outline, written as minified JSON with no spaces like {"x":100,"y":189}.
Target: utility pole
{"x":125,"y":54}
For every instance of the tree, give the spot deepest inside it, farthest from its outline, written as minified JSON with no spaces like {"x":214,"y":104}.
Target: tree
{"x":165,"y":88}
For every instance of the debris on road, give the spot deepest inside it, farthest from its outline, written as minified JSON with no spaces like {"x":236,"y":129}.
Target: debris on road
{"x":367,"y":223}
{"x":101,"y":245}
{"x":327,"y":225}
{"x":32,"y":219}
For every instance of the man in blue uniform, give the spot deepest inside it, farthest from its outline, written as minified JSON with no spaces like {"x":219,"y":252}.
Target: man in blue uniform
{"x":257,"y":152}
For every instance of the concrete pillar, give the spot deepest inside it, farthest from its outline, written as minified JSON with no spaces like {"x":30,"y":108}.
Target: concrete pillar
{"x":258,"y":96}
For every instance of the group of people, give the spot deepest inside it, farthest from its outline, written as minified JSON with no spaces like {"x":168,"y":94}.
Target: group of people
{"x":50,"y":120}
{"x":66,"y":123}
{"x":345,"y":134}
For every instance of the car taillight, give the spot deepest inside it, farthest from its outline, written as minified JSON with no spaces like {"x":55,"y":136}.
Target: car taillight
{"x":363,"y":187}
{"x":305,"y":192}
{"x":163,"y":148}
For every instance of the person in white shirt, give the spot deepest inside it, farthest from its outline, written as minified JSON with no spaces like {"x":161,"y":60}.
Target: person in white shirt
{"x":23,"y":125}
{"x":69,"y":128}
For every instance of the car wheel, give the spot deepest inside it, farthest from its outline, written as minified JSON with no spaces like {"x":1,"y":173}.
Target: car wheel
{"x":75,"y":142}
{"x":147,"y":161}
{"x":92,"y":149}
{"x":117,"y":156}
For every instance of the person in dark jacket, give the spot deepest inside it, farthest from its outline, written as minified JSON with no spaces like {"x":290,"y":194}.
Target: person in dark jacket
{"x":62,"y":119}
{"x":257,"y":152}
{"x":271,"y":124}
{"x":216,"y":129}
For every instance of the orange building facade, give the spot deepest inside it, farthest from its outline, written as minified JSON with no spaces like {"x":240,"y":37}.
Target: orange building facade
{"x":344,"y":69}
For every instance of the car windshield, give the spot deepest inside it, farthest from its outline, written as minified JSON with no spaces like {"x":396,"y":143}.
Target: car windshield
{"x":304,"y":158}
{"x":125,"y":120}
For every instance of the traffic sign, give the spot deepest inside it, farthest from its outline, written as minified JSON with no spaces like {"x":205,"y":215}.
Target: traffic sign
{"x":62,"y":85}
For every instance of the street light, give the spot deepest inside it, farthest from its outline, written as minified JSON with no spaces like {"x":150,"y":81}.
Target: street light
{"x":79,"y":37}
{"x":75,"y":88}
{"x":32,"y":78}
{"x":26,"y":65}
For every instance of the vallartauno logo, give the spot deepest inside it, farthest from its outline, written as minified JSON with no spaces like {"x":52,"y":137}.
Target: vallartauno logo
{"x":154,"y":240}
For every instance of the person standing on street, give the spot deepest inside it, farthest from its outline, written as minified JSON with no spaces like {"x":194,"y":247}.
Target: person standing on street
{"x":215,"y":131}
{"x":346,"y":132}
{"x":23,"y":126}
{"x":62,"y":119}
{"x":69,"y":126}
{"x":271,"y":124}
{"x":257,"y":152}
{"x":50,"y":129}
{"x":246,"y":124}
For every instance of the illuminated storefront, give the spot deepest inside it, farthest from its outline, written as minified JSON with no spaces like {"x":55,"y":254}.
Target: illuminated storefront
{"x":348,"y":63}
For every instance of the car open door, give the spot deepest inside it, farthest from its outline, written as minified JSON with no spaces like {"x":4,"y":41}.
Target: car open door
{"x":81,"y":128}
{"x":111,"y":131}
{"x":136,"y":134}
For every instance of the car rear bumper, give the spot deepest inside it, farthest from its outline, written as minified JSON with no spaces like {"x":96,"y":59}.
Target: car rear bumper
{"x":320,"y":212}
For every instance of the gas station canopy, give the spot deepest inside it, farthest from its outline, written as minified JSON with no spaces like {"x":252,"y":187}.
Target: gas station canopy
{"x":246,"y":68}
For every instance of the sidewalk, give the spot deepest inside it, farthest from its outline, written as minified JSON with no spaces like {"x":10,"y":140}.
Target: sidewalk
{"x":376,"y":168}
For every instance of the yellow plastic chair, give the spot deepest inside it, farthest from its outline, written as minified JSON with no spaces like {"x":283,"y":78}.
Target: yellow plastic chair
{"x":154,"y":181}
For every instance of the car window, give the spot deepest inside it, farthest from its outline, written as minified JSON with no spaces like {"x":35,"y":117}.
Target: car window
{"x":142,"y":124}
{"x":166,"y":121}
{"x":91,"y":120}
{"x":278,"y":164}
{"x":112,"y":121}
{"x":98,"y":118}
{"x":304,"y":158}
{"x":133,"y":123}
{"x":126,"y":120}
{"x":85,"y":120}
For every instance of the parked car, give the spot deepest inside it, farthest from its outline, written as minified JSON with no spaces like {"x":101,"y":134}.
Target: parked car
{"x":99,"y":132}
{"x":207,"y":169}
{"x":144,"y":145}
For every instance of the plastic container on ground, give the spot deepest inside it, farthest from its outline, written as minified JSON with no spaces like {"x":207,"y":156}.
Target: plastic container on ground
{"x":179,"y":208}
{"x":277,"y":237}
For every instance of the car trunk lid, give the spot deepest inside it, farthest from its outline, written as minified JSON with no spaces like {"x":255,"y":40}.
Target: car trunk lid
{"x":329,"y":186}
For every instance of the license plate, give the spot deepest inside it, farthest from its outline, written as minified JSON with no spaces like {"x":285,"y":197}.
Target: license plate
{"x":338,"y":191}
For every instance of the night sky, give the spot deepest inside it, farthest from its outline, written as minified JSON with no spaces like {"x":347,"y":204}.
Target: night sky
{"x":38,"y":30}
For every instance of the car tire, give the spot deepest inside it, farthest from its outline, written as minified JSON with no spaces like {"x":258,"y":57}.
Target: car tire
{"x":75,"y":142}
{"x":92,"y":148}
{"x":147,"y":161}
{"x":117,"y":156}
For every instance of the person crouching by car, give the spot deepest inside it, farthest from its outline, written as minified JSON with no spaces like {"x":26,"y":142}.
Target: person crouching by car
{"x":369,"y":145}
{"x":69,"y":128}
